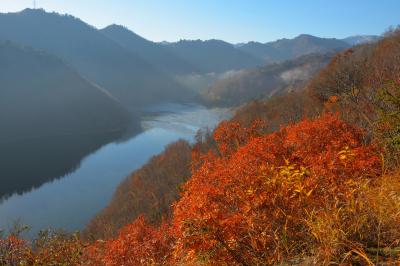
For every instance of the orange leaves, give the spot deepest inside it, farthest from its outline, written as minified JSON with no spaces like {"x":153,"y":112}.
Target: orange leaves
{"x":331,"y":105}
{"x":137,"y":244}
{"x":151,"y":190}
{"x":230,"y":135}
{"x":50,"y":248}
{"x":257,"y":195}
{"x":57,"y":248}
{"x":14,"y":251}
{"x":264,"y":199}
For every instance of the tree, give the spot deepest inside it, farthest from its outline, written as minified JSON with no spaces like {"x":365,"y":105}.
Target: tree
{"x":137,"y":244}
{"x":387,"y":125}
{"x":249,"y":208}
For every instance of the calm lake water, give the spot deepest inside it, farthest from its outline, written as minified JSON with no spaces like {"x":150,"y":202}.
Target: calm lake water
{"x":70,"y":202}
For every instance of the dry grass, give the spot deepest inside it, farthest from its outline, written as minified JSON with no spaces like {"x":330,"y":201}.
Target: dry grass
{"x":364,"y":231}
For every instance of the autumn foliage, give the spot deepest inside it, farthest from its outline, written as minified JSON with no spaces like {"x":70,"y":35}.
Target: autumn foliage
{"x":306,"y":178}
{"x":150,"y":191}
{"x":265,"y":199}
{"x":252,"y":207}
{"x":363,"y":85}
{"x":315,"y":191}
{"x":49,"y":248}
{"x":137,"y":244}
{"x":13,"y":251}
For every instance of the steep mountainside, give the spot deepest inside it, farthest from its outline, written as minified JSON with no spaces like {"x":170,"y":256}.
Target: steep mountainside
{"x":127,"y":76}
{"x":49,"y":114}
{"x":285,"y":49}
{"x":151,"y":190}
{"x":213,"y":55}
{"x":40,"y":95}
{"x":156,"y":54}
{"x":334,"y":149}
{"x":266,"y":81}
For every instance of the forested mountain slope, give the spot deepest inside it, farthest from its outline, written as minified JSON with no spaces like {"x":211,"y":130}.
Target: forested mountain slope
{"x":308,"y":177}
{"x":138,"y":194}
{"x":49,"y":114}
{"x":213,"y":55}
{"x":158,"y":55}
{"x":41,"y":96}
{"x":128,"y":77}
{"x":361,"y":39}
{"x":286,"y":49}
{"x":362,"y":85}
{"x":263,"y":82}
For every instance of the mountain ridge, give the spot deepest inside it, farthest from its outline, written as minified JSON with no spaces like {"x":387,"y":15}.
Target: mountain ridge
{"x":49,"y":114}
{"x":96,"y":57}
{"x":156,"y":54}
{"x":285,"y":49}
{"x":44,"y":73}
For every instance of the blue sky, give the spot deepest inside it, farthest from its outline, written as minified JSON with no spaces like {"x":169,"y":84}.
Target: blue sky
{"x":229,"y":20}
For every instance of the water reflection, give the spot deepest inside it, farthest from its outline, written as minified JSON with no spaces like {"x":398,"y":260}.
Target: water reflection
{"x":70,"y":202}
{"x":28,"y":164}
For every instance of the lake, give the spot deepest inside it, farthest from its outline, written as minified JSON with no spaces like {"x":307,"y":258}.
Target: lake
{"x":71,"y":201}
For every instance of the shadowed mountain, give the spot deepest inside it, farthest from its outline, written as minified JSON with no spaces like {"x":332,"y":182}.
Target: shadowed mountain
{"x":286,"y":49}
{"x":213,"y":55}
{"x":262,"y":82}
{"x":156,"y":54}
{"x":49,"y":116}
{"x":125,"y":75}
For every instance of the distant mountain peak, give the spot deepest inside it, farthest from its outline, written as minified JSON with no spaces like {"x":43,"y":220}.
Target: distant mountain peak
{"x":360,"y":39}
{"x":33,"y":10}
{"x":115,"y":27}
{"x":305,"y":36}
{"x":120,"y":29}
{"x":41,"y":11}
{"x":127,"y":75}
{"x":165,"y":43}
{"x":203,"y":43}
{"x":285,"y":49}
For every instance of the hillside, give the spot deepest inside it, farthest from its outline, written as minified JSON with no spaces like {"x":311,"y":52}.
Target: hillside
{"x":304,"y":152}
{"x":46,"y":106}
{"x":306,"y":172}
{"x":286,"y":49}
{"x":355,"y":82}
{"x":265,"y":193}
{"x":361,"y":39}
{"x":138,"y":194}
{"x":213,"y":55}
{"x":318,"y":189}
{"x":315,"y":185}
{"x":263,"y":82}
{"x":51,"y":98}
{"x":125,"y":75}
{"x":287,"y":108}
{"x":156,"y":54}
